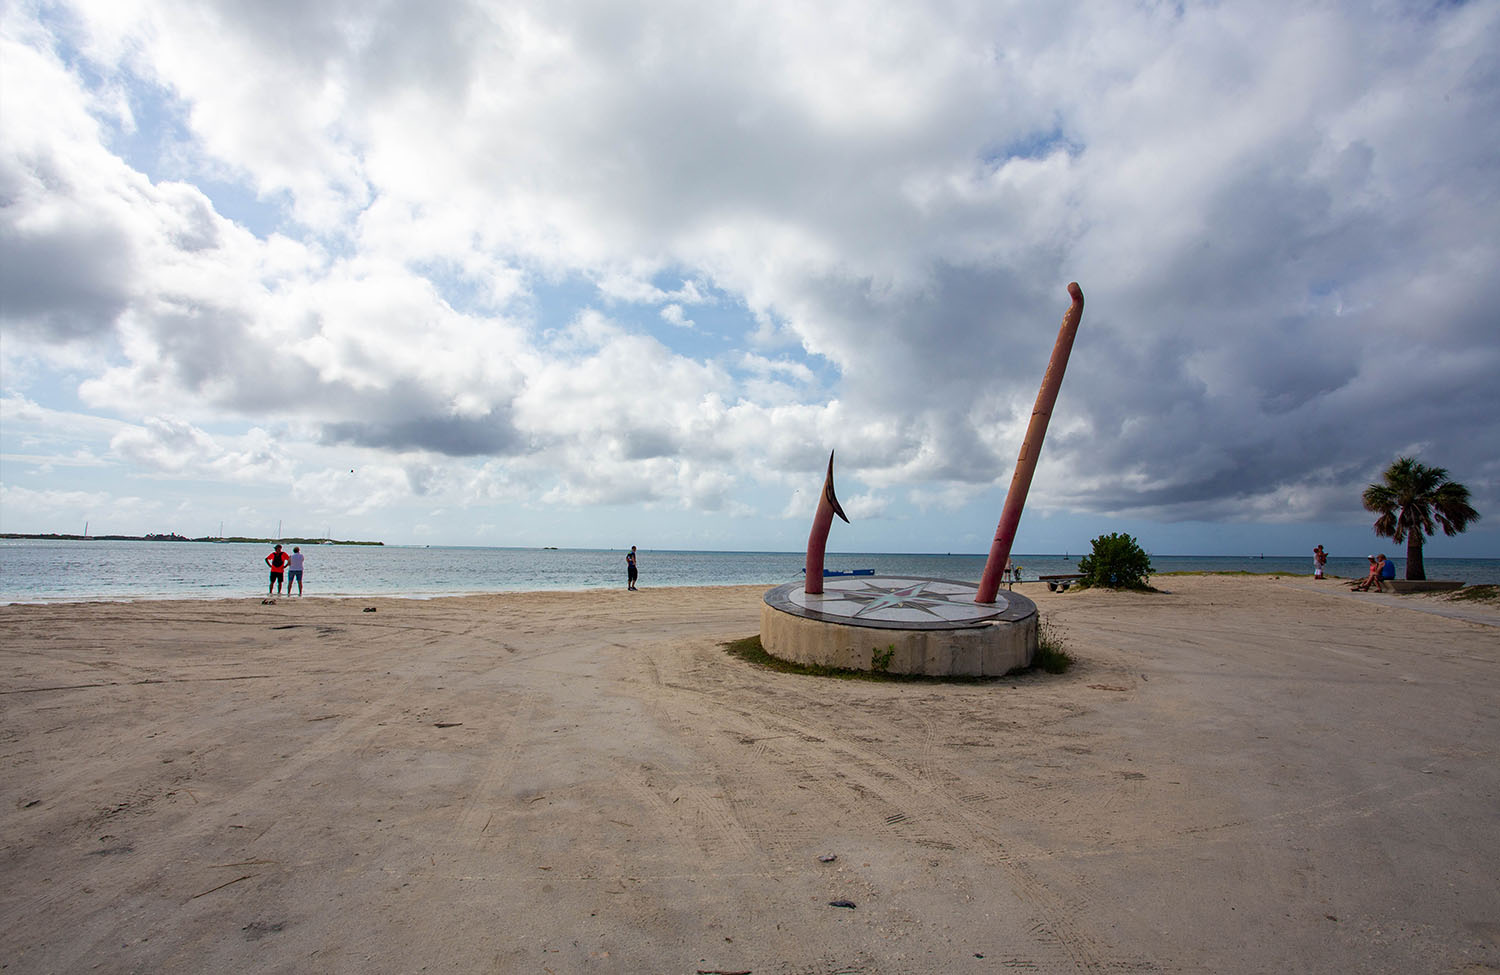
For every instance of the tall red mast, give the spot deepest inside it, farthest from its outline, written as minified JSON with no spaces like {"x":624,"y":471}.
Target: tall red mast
{"x":1031,"y":449}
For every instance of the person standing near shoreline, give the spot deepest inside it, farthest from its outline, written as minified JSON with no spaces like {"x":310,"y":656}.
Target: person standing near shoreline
{"x":294,"y":571}
{"x":631,"y":572}
{"x":277,"y":560}
{"x":1320,"y":559}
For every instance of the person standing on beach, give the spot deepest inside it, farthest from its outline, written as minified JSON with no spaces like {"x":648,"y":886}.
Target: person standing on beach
{"x":1320,"y":559}
{"x":630,"y":571}
{"x":294,"y":571}
{"x":277,"y":560}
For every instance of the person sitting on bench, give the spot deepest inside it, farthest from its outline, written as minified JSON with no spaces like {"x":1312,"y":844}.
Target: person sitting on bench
{"x":1373,"y":579}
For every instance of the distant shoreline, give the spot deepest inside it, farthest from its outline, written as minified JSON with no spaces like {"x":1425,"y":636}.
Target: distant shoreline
{"x":53,"y":537}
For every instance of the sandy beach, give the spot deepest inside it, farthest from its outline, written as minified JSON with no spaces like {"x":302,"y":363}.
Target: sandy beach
{"x":1240,"y":774}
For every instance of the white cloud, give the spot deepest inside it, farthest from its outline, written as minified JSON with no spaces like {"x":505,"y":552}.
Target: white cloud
{"x":165,"y":445}
{"x":673,"y":313}
{"x":62,"y":503}
{"x":1282,"y":217}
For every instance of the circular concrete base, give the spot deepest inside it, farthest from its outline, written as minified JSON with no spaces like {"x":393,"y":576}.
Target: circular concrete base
{"x":899,"y":625}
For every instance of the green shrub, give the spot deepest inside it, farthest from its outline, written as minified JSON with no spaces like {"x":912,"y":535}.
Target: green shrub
{"x":1117,"y":562}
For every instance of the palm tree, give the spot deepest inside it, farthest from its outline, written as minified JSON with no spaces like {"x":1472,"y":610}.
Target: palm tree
{"x":1412,"y":498}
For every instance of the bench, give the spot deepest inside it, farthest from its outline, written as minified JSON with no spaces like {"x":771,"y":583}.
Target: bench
{"x":1060,"y":582}
{"x":1402,"y":586}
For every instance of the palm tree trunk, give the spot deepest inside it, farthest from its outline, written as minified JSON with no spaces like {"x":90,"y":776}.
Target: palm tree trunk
{"x":1414,"y":568}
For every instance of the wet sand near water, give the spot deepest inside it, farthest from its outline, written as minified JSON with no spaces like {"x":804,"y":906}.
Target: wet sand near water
{"x":1241,"y":774}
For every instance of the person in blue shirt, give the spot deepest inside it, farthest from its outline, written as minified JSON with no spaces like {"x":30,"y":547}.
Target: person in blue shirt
{"x":1387,"y":567}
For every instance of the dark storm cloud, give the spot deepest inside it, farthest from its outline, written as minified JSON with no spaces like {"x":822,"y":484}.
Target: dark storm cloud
{"x":203,"y":349}
{"x":961,"y":330}
{"x":645,"y":444}
{"x":63,"y":284}
{"x":1179,"y":429}
{"x":455,"y":436}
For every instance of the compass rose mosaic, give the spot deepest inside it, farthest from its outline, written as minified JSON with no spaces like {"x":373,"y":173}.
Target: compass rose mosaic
{"x":898,"y":603}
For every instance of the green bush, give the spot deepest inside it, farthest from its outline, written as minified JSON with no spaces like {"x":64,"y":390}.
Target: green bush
{"x":1117,"y":562}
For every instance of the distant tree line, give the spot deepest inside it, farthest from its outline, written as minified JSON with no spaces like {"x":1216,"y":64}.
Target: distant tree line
{"x":172,"y":537}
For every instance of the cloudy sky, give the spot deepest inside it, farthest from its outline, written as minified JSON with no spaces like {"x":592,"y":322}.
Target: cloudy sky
{"x":599,"y":273}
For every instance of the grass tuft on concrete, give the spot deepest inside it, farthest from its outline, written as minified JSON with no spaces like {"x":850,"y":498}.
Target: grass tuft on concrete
{"x":1050,"y":656}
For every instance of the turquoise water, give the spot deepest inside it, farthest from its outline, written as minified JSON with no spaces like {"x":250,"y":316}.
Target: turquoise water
{"x":52,"y":571}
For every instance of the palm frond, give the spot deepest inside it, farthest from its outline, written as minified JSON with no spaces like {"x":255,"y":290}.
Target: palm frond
{"x":1414,"y":500}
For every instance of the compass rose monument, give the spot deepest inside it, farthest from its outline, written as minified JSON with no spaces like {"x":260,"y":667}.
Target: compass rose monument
{"x":912,"y":625}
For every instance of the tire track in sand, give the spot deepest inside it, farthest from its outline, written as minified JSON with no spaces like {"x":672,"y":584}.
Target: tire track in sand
{"x":787,"y":754}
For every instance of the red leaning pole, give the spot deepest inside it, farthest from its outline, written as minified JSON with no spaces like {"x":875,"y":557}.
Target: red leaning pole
{"x":1031,"y":449}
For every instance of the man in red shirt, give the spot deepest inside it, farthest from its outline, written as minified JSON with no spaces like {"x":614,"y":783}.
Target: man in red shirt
{"x":277,"y":560}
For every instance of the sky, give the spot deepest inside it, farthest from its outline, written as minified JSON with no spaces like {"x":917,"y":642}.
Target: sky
{"x":595,"y":273}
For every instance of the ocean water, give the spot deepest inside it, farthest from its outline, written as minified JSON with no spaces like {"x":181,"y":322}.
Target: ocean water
{"x":33,"y":570}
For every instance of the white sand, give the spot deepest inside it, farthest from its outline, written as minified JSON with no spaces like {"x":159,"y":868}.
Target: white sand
{"x":1241,"y":775}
